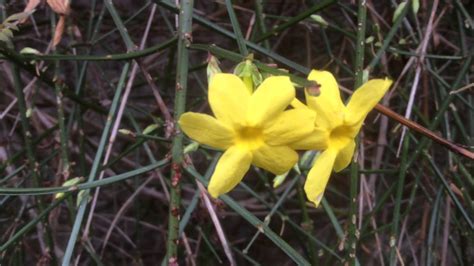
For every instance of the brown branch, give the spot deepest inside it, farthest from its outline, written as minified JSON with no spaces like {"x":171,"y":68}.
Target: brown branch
{"x":420,"y":129}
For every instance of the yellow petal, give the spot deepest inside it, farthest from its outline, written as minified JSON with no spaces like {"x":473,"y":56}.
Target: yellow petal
{"x":275,"y":159}
{"x":206,"y":129}
{"x":290,"y":126}
{"x":328,"y":104}
{"x":295,"y":103}
{"x":228,"y":98}
{"x":269,"y":100}
{"x":317,"y":140}
{"x":230,"y":170}
{"x":364,"y":99}
{"x":318,"y":176}
{"x":344,"y":157}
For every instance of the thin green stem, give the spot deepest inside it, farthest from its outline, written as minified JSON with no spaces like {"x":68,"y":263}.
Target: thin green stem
{"x":398,"y":202}
{"x":95,"y":165}
{"x":184,"y":40}
{"x":353,"y":233}
{"x":30,"y":154}
{"x":236,"y":27}
{"x":83,"y":186}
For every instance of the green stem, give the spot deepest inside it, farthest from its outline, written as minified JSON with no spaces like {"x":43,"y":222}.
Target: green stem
{"x":307,"y":224}
{"x":95,"y":165}
{"x":84,"y":57}
{"x":358,"y":69}
{"x":398,"y":201}
{"x":236,"y":27}
{"x":30,"y":154}
{"x":360,"y":43}
{"x":184,"y":40}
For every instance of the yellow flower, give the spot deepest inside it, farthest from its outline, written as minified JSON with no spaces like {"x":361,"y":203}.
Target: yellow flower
{"x":336,"y":126}
{"x":251,"y":128}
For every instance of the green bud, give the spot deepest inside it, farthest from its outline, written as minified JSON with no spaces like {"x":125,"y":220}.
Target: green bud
{"x":365,"y":75}
{"x":82,"y":195}
{"x":320,"y":20}
{"x":125,"y":131}
{"x":415,"y":6}
{"x":279,"y":179}
{"x":249,"y":73}
{"x":212,"y":67}
{"x":193,"y":146}
{"x":150,"y":129}
{"x":398,"y":11}
{"x":68,"y":183}
{"x":29,"y":112}
{"x":370,"y":39}
{"x":29,"y":50}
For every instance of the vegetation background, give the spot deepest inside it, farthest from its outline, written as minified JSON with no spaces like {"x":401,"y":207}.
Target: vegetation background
{"x":99,"y":109}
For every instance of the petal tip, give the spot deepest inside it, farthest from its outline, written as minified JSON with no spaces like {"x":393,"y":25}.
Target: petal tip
{"x":213,"y":192}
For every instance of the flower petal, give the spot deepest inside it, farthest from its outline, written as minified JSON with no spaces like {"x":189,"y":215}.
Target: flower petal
{"x":318,"y":176}
{"x":230,"y":170}
{"x":228,"y":98}
{"x":290,"y":126}
{"x":317,"y":140}
{"x":276,"y":159}
{"x":271,"y":98}
{"x":207,"y":130}
{"x":295,"y":103}
{"x":364,"y":99}
{"x":344,"y":157}
{"x":328,"y":104}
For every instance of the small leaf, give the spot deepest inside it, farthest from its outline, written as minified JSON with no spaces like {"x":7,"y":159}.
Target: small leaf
{"x":17,"y":17}
{"x":4,"y":38}
{"x":194,"y":146}
{"x":398,"y":11}
{"x":320,"y":20}
{"x":70,"y":182}
{"x":29,"y":112}
{"x":279,"y":179}
{"x":212,"y":67}
{"x":415,"y":6}
{"x":29,"y":50}
{"x":402,"y":41}
{"x":82,"y":195}
{"x":150,"y":129}
{"x":370,"y":39}
{"x":297,"y":169}
{"x":365,"y":75}
{"x":125,"y":131}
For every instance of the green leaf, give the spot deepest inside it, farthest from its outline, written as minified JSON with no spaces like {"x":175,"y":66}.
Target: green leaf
{"x":398,"y":11}
{"x":279,"y":179}
{"x":415,"y":6}
{"x":29,"y":50}
{"x":320,"y":20}
{"x":18,"y":16}
{"x":369,"y":39}
{"x":191,"y":147}
{"x":150,"y":129}
{"x":212,"y":67}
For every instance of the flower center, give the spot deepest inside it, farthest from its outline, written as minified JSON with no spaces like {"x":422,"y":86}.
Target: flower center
{"x":249,"y":137}
{"x":340,"y":137}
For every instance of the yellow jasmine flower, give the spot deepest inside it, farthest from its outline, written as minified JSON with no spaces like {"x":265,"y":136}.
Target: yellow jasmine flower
{"x":252,"y":128}
{"x":336,"y":126}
